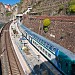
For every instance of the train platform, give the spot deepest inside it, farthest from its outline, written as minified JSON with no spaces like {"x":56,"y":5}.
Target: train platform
{"x":20,"y":58}
{"x":31,"y":60}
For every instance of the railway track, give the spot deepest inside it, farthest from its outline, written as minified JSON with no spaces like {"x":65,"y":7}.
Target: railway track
{"x":12,"y":64}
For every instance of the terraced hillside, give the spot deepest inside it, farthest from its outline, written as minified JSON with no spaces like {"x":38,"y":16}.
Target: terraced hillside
{"x":44,"y":7}
{"x":50,"y":7}
{"x":61,"y":30}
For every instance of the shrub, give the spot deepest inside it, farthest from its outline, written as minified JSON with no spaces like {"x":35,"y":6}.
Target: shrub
{"x":46,"y":22}
{"x":71,"y":7}
{"x":45,"y":29}
{"x":8,"y":13}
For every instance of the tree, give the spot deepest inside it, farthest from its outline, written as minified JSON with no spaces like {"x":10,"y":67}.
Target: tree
{"x":45,"y":29}
{"x":46,"y":23}
{"x":72,"y":8}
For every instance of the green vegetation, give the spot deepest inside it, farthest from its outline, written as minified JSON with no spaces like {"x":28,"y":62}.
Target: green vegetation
{"x":45,"y":29}
{"x":18,"y":4}
{"x":71,"y":7}
{"x":61,"y":7}
{"x":8,"y":13}
{"x":72,"y":2}
{"x":46,"y":23}
{"x":21,"y":1}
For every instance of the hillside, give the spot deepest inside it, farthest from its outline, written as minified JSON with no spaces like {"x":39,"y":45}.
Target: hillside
{"x":61,"y":29}
{"x":45,"y":7}
{"x":51,"y":7}
{"x":3,"y":16}
{"x":2,"y":12}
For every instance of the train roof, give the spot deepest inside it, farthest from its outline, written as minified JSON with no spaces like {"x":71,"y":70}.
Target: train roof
{"x":26,"y":29}
{"x":60,"y":48}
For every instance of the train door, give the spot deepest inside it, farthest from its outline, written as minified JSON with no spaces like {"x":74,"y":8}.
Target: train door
{"x":66,"y":66}
{"x":25,"y":34}
{"x":73,"y":69}
{"x":30,"y":39}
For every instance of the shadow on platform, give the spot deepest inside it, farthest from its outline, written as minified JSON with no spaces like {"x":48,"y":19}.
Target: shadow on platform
{"x":41,"y":69}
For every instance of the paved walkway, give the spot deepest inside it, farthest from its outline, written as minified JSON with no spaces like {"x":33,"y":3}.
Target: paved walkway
{"x":19,"y":55}
{"x":31,"y":59}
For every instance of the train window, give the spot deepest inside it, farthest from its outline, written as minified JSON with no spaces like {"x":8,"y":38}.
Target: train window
{"x":43,"y":50}
{"x":49,"y":55}
{"x":42,"y":41}
{"x":34,"y":37}
{"x":46,"y":52}
{"x":38,"y":40}
{"x":36,"y":44}
{"x":50,"y":47}
{"x":47,"y":45}
{"x":54,"y":49}
{"x":40,"y":47}
{"x":33,"y":41}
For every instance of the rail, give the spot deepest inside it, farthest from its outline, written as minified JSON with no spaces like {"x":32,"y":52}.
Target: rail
{"x":12,"y":65}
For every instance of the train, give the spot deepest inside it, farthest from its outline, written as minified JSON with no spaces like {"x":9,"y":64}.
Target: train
{"x":60,"y":57}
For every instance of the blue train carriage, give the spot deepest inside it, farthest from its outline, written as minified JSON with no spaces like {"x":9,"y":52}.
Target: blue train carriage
{"x":23,"y":30}
{"x":66,"y":61}
{"x":26,"y":32}
{"x":62,"y":58}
